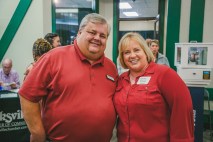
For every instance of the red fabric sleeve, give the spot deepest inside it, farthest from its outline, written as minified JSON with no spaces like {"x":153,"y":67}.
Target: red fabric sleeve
{"x":177,"y":95}
{"x":35,"y":85}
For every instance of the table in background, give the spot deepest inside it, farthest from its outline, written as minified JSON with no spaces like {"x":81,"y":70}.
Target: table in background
{"x":12,"y":125}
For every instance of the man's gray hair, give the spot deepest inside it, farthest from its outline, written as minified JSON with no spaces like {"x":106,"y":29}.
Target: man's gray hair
{"x":94,"y":18}
{"x":7,"y":61}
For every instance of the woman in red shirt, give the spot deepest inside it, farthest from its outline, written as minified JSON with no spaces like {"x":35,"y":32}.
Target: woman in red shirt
{"x":152,"y":102}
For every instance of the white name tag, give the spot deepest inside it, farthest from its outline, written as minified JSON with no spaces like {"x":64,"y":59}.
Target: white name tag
{"x":110,"y":78}
{"x":144,"y":80}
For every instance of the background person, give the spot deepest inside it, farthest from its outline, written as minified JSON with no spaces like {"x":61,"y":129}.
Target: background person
{"x":53,"y":39}
{"x":40,"y":47}
{"x":76,"y":84}
{"x":120,"y":68}
{"x":152,"y":101}
{"x":9,"y":78}
{"x":159,"y":58}
{"x":148,"y":41}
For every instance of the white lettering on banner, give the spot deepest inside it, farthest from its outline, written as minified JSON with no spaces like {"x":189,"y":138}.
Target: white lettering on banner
{"x":12,"y":128}
{"x":9,"y":117}
{"x":194,"y":115}
{"x":13,"y":121}
{"x":18,"y":123}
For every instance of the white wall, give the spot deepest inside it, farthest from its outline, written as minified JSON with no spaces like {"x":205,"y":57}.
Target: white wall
{"x":208,"y":22}
{"x":106,"y":10}
{"x":6,"y":13}
{"x":47,"y":17}
{"x":184,"y":20}
{"x":32,"y":27}
{"x":136,"y":25}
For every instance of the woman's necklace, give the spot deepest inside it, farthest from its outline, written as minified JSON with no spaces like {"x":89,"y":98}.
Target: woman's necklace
{"x":133,"y":77}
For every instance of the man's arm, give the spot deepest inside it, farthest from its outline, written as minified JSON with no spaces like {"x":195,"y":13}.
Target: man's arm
{"x":16,"y":83}
{"x":32,"y":115}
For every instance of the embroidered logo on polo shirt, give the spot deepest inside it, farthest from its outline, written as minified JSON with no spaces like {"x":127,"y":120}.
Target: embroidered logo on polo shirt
{"x":110,"y":78}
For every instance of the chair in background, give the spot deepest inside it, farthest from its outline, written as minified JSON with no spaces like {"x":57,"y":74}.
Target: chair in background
{"x":208,"y":114}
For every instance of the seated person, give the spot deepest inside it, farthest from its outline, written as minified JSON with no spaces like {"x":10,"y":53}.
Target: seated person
{"x":9,"y":79}
{"x":159,"y":58}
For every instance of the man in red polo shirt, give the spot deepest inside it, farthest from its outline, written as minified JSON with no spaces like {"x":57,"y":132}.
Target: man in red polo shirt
{"x":75,"y":84}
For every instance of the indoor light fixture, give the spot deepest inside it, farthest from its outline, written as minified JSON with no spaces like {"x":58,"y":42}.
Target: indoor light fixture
{"x":124,"y":5}
{"x":130,"y":14}
{"x":55,"y":1}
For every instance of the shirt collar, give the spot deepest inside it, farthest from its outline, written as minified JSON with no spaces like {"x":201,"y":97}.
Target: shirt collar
{"x":149,"y":70}
{"x":2,"y":72}
{"x":83,"y":58}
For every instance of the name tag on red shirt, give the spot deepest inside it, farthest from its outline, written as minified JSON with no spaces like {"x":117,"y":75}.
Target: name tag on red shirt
{"x":144,"y":80}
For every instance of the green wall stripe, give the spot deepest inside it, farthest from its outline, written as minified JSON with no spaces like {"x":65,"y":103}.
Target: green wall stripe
{"x":210,"y":93}
{"x":115,"y":31}
{"x":97,"y":6}
{"x":173,"y":29}
{"x":196,"y":20}
{"x":161,"y":23}
{"x":53,"y":17}
{"x":13,"y":26}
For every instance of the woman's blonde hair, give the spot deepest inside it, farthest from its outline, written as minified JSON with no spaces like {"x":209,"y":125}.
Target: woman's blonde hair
{"x":40,"y":47}
{"x":125,"y":41}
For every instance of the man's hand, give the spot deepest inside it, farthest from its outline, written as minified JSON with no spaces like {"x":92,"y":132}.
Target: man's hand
{"x":13,"y":85}
{"x":1,"y":83}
